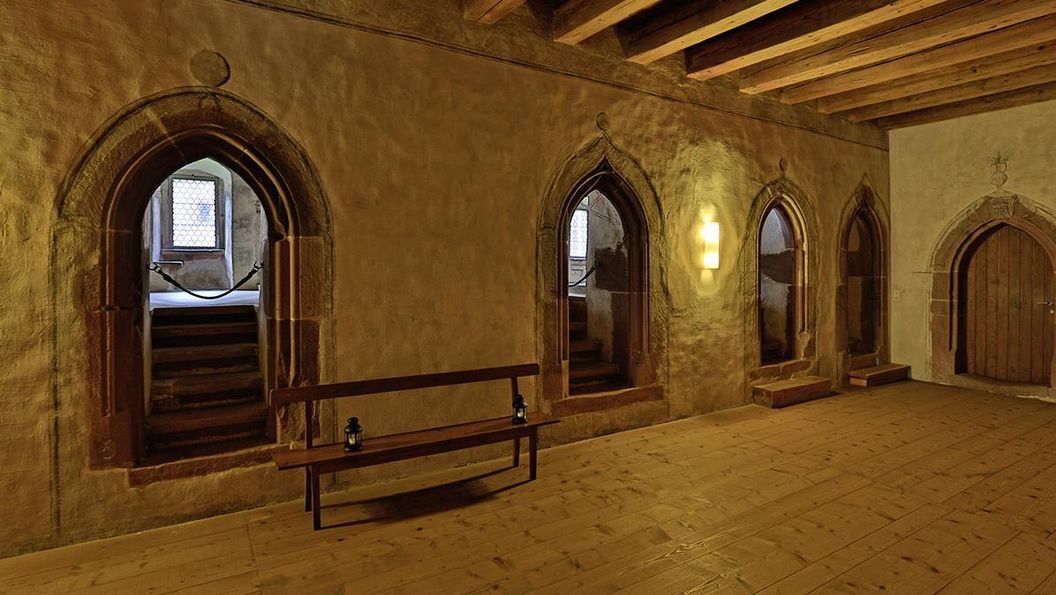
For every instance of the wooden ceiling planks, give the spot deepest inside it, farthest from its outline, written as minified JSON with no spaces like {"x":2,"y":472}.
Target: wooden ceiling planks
{"x":892,"y":62}
{"x":798,"y":27}
{"x":693,"y":23}
{"x":577,"y":20}
{"x":488,"y":11}
{"x":850,"y":90}
{"x":988,"y":86}
{"x":966,"y":21}
{"x":1045,"y":92}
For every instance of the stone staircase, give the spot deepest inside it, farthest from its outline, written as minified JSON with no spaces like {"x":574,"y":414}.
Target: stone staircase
{"x":207,"y":389}
{"x":587,"y":371}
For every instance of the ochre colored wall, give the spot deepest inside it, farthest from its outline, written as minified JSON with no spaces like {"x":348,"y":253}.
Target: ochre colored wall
{"x":436,"y":141}
{"x":938,"y":172}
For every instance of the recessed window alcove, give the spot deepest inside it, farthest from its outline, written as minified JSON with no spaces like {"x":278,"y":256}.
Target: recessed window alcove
{"x":861,"y":297}
{"x":100,"y":293}
{"x":781,"y":332}
{"x":599,"y":266}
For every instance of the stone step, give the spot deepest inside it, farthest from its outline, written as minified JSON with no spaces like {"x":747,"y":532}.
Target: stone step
{"x":212,"y":333}
{"x":170,"y":362}
{"x":202,"y":314}
{"x":858,"y":362}
{"x":591,"y":371}
{"x":577,"y":308}
{"x":187,"y":353}
{"x":603,"y":386}
{"x":206,"y":425}
{"x":203,"y":390}
{"x":584,"y":350}
{"x":790,"y":392}
{"x":877,"y":375}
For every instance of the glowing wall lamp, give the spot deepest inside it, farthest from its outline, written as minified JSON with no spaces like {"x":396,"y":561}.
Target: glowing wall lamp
{"x":710,"y":234}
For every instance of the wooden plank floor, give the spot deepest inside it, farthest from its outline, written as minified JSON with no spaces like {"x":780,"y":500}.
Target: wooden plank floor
{"x":907,"y":488}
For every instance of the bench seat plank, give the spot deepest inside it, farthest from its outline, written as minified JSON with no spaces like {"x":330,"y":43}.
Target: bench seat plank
{"x":396,"y":447}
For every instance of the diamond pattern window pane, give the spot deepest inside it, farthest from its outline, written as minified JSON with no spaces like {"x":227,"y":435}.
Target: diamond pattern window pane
{"x":193,"y":213}
{"x":577,"y":238}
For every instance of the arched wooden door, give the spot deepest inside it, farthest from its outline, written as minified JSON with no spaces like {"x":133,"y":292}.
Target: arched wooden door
{"x":1006,"y":327}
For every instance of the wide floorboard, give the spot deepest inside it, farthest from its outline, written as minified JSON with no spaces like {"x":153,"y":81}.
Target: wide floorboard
{"x":908,"y":488}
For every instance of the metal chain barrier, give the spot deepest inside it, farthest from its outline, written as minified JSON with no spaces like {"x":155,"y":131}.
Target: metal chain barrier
{"x":157,"y":269}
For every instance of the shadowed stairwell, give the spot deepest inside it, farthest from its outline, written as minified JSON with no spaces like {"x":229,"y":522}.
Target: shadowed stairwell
{"x":207,"y":390}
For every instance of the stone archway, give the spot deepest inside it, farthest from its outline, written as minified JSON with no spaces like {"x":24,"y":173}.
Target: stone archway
{"x":602,"y":163}
{"x":863,"y":209}
{"x":97,"y":265}
{"x":949,"y":258}
{"x":787,"y":196}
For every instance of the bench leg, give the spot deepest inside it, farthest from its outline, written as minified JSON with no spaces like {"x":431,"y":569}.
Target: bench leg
{"x":316,"y":513}
{"x":307,"y":489}
{"x":533,"y":445}
{"x":516,"y":452}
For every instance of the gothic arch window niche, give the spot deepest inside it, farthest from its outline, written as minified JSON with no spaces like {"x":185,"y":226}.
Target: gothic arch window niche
{"x":861,"y":304}
{"x":630,"y":276}
{"x":98,"y":261}
{"x":992,"y":276}
{"x":780,"y":266}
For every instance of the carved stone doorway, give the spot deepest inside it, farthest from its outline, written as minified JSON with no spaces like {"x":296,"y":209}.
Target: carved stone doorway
{"x":992,"y":327}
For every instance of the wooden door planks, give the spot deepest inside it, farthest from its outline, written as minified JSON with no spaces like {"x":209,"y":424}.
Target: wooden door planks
{"x":1007,"y":334}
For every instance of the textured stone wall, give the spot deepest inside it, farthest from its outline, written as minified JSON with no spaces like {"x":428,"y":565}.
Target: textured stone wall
{"x":436,"y":141}
{"x":940,"y":174}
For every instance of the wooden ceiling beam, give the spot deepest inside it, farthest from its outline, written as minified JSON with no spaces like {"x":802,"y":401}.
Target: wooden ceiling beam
{"x":488,"y":12}
{"x":576,"y":20}
{"x":964,"y":22}
{"x":669,"y":33}
{"x":807,"y":24}
{"x":990,"y":103}
{"x":948,"y":65}
{"x":991,"y":86}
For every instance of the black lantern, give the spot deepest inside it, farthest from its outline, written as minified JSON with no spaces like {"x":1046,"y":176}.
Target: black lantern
{"x":520,"y":410}
{"x":353,"y":435}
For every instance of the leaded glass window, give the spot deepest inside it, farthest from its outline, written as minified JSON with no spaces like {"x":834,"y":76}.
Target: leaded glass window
{"x":194,"y":216}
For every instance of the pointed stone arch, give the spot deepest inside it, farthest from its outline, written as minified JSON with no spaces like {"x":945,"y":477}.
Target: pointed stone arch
{"x":782,"y":193}
{"x":955,"y":243}
{"x":98,"y":263}
{"x":601,"y":164}
{"x":865,"y":207}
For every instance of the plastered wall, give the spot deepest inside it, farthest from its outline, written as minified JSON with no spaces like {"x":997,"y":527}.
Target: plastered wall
{"x":435,"y":141}
{"x":938,"y":172}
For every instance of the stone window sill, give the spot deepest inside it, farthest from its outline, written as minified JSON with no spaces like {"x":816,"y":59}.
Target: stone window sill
{"x":198,"y":466}
{"x":608,"y":400}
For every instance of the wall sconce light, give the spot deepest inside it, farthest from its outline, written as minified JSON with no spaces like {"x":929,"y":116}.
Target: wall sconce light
{"x":711,"y":244}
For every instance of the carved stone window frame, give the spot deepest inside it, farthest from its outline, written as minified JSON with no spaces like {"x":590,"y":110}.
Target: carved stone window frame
{"x":626,"y":185}
{"x":793,"y":201}
{"x":864,"y":202}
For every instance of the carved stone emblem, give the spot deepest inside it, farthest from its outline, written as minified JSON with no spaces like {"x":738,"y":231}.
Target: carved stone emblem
{"x":107,"y":450}
{"x":1002,"y":207}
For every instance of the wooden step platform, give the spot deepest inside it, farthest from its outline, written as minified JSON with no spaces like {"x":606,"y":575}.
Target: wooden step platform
{"x":877,"y":375}
{"x":790,"y":392}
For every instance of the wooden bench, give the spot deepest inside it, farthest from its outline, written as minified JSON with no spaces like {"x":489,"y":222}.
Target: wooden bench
{"x":330,"y":458}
